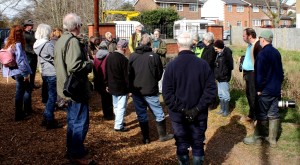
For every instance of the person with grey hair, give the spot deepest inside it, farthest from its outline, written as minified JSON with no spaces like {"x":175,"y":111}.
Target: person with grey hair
{"x":209,"y":54}
{"x":188,"y":89}
{"x":145,"y":70}
{"x":45,"y":51}
{"x":198,"y":45}
{"x":70,"y":58}
{"x":135,"y":38}
{"x":110,"y":42}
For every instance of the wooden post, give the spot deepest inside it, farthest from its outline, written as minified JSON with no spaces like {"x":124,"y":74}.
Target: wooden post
{"x":96,"y":18}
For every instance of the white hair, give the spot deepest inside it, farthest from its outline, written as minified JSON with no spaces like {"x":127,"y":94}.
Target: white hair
{"x":71,"y":21}
{"x":43,"y":31}
{"x":185,"y":40}
{"x":209,"y":37}
{"x":146,"y":39}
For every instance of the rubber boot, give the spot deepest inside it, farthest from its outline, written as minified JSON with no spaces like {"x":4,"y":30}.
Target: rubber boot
{"x":259,"y":132}
{"x":183,"y":159}
{"x":221,"y":107}
{"x":198,"y":160}
{"x":145,"y":132}
{"x":161,"y":129}
{"x":226,"y":108}
{"x":273,"y":132}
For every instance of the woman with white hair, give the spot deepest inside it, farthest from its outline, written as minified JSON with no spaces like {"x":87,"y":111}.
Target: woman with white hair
{"x":209,"y":54}
{"x":45,"y":51}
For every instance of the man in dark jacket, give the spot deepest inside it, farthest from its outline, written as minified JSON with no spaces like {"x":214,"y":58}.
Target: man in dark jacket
{"x":31,"y":56}
{"x":222,"y":70}
{"x":145,"y":70}
{"x":117,"y":83}
{"x":268,"y":80}
{"x":188,"y":89}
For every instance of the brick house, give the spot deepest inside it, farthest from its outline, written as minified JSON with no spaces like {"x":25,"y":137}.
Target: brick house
{"x":187,"y":9}
{"x":245,"y":13}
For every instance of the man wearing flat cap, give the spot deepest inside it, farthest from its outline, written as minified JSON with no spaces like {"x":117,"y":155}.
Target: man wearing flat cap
{"x":268,"y":80}
{"x":31,"y":56}
{"x":118,"y":83}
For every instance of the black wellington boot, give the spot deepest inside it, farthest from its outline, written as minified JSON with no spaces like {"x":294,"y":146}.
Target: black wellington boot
{"x":145,"y":132}
{"x":161,"y":129}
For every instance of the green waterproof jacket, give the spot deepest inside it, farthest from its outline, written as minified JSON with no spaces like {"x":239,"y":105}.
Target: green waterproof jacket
{"x":74,"y":61}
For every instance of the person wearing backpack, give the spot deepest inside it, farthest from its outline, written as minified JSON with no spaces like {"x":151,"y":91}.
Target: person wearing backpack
{"x":44,"y":48}
{"x":20,"y":73}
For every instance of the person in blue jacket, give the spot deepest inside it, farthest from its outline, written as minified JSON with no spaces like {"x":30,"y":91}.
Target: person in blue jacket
{"x":21,"y":73}
{"x":188,"y":89}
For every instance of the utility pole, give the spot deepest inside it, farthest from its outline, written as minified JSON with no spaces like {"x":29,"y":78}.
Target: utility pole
{"x":96,"y":18}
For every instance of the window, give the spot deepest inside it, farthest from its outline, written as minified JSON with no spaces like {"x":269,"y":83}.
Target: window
{"x":273,"y":9}
{"x":164,"y":5}
{"x":255,"y":9}
{"x":229,"y":8}
{"x":192,"y":7}
{"x":265,"y":9}
{"x":239,"y":23}
{"x":239,"y":8}
{"x":267,"y":22}
{"x":179,"y":7}
{"x":256,"y":22}
{"x":227,"y":24}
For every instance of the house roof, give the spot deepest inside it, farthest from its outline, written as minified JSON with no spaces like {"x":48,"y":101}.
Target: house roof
{"x":259,"y":2}
{"x":236,"y":2}
{"x":179,"y":1}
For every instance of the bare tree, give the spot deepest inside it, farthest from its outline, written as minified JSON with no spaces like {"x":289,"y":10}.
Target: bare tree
{"x":276,"y":9}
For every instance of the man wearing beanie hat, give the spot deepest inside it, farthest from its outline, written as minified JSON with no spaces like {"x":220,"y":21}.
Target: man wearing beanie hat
{"x":117,"y":83}
{"x":268,"y":77}
{"x":31,"y":56}
{"x":100,"y":81}
{"x":222,"y":70}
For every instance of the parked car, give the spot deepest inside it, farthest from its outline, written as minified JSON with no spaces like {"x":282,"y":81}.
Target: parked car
{"x":226,"y":35}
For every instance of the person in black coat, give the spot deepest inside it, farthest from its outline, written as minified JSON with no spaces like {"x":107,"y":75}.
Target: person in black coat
{"x":222,"y":70}
{"x":145,"y":70}
{"x":188,"y":89}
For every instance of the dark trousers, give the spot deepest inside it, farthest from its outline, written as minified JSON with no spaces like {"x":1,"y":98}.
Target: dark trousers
{"x":32,"y":60}
{"x":251,"y":94}
{"x":190,"y":135}
{"x":268,"y":107}
{"x":107,"y":106}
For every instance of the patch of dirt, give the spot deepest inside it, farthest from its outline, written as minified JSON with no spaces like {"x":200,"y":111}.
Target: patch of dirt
{"x":26,"y":142}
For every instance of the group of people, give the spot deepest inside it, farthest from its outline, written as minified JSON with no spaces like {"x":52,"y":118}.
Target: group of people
{"x":191,"y":82}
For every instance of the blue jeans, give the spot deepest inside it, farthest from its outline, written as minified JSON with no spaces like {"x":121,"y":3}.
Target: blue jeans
{"x":78,"y":125}
{"x":50,"y":82}
{"x":223,"y":91}
{"x":268,"y":108}
{"x":142,"y":102}
{"x":23,"y":95}
{"x":190,"y":135}
{"x":119,"y":103}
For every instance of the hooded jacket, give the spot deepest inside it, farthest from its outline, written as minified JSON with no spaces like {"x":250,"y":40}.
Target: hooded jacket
{"x":145,"y":70}
{"x":45,"y":52}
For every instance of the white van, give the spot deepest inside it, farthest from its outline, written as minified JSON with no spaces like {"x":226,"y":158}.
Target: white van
{"x":124,"y":29}
{"x":193,"y":26}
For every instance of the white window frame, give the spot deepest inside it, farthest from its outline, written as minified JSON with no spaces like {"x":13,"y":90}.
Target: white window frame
{"x":265,"y":9}
{"x":238,"y":23}
{"x":256,"y":22}
{"x":193,"y":7}
{"x":229,"y":8}
{"x":227,"y":24}
{"x":273,"y":9}
{"x":179,"y":7}
{"x":255,"y":9}
{"x":164,"y":5}
{"x":239,"y":8}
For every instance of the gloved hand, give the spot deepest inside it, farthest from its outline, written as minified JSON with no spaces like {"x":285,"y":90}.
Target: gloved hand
{"x":191,"y":114}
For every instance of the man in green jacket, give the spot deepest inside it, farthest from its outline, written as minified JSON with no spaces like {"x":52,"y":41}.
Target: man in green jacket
{"x":69,"y":57}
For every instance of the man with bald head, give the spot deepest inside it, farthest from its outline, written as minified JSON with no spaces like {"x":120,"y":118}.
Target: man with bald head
{"x":188,"y":89}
